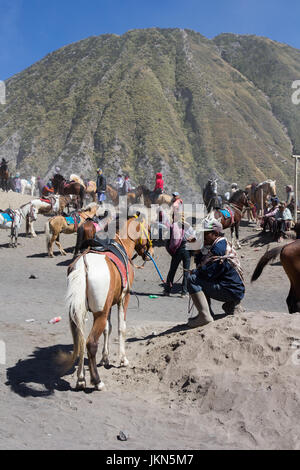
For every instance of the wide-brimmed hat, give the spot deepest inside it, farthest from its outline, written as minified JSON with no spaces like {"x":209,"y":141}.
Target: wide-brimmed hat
{"x":211,"y":225}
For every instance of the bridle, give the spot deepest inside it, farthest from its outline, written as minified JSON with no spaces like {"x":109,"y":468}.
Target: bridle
{"x":141,"y":248}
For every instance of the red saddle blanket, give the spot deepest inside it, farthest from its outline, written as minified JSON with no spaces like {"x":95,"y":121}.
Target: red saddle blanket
{"x":44,"y":199}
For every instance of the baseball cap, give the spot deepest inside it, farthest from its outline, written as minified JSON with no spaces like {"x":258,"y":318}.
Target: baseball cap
{"x":175,"y":193}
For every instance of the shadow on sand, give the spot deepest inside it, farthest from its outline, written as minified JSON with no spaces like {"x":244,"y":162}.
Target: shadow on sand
{"x":38,"y":375}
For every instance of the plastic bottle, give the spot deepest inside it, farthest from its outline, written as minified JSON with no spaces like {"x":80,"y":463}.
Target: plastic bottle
{"x":54,"y":320}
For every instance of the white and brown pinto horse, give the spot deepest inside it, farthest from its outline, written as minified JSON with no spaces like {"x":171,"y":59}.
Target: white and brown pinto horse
{"x":16,"y":218}
{"x":94,"y":284}
{"x":53,"y":204}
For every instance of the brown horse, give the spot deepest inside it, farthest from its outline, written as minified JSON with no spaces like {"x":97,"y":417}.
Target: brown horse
{"x":114,"y":195}
{"x":290,"y":260}
{"x":58,"y":224}
{"x":237,"y":202}
{"x":4,"y":178}
{"x":95,"y":284}
{"x":89,"y":228}
{"x":61,"y":186}
{"x":258,"y":194}
{"x":148,"y":197}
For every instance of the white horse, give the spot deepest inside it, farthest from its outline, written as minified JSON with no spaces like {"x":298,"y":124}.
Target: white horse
{"x":42,"y":207}
{"x":14,"y":219}
{"x":28,"y":185}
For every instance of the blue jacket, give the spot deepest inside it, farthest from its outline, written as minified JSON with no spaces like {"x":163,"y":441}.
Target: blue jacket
{"x":222,"y":273}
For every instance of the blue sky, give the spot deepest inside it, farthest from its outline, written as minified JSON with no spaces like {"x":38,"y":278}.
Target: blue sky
{"x":30,"y":29}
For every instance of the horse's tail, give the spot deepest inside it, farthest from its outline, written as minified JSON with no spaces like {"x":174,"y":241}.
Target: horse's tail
{"x":264,"y":260}
{"x":77,"y":307}
{"x":48,"y":234}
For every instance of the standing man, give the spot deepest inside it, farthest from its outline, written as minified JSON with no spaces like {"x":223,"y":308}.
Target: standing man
{"x":181,"y":232}
{"x":119,"y":183}
{"x":126,"y":186}
{"x":101,"y":186}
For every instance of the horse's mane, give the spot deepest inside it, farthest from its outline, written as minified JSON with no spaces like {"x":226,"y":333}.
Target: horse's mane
{"x":145,"y":189}
{"x":112,"y":187}
{"x":269,"y":181}
{"x":77,"y":178}
{"x":236,"y":195}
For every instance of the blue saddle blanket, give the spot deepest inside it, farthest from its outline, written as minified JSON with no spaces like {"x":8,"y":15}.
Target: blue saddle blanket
{"x":71,"y":219}
{"x":7,"y":217}
{"x":226,"y":213}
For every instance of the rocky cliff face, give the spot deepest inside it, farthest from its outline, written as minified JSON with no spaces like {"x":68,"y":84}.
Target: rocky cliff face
{"x":153,"y":100}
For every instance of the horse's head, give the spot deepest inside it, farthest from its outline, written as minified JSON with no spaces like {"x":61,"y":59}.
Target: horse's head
{"x":33,"y":213}
{"x":240,"y":197}
{"x":139,"y":232}
{"x":272,"y":185}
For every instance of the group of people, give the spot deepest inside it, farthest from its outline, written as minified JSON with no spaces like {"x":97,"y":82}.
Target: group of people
{"x":277,"y":219}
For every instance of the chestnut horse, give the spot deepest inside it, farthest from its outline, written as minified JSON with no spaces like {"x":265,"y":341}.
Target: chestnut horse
{"x":58,"y":224}
{"x":89,"y":228}
{"x":94,"y":284}
{"x":258,"y":194}
{"x":148,"y":197}
{"x":237,"y":202}
{"x":61,"y":186}
{"x":290,"y":260}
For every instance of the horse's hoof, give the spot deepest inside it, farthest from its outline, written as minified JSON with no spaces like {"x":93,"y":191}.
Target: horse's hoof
{"x":124,"y":362}
{"x":81,"y":384}
{"x":104,"y":362}
{"x":64,"y":253}
{"x":100,"y":386}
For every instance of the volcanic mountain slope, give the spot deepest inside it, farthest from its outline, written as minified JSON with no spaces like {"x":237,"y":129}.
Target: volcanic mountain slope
{"x":151,"y":100}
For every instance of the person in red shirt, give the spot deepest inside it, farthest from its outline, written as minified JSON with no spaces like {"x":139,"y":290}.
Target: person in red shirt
{"x":159,"y":184}
{"x":159,"y":187}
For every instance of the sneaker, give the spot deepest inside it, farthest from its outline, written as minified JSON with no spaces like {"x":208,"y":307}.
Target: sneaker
{"x":184,"y":294}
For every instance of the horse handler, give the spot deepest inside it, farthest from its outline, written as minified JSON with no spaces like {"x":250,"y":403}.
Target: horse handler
{"x":218,"y":276}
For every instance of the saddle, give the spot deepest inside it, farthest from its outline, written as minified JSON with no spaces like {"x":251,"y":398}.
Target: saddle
{"x":73,"y":219}
{"x":114,"y":251}
{"x":227,"y":213}
{"x":8,"y":215}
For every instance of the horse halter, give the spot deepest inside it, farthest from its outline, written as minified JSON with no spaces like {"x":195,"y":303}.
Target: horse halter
{"x":143,"y":248}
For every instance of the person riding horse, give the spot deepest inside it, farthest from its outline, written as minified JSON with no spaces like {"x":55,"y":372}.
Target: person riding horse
{"x":4,"y":164}
{"x":159,"y":187}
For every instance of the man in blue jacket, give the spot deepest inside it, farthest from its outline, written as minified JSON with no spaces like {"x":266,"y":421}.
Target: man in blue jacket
{"x":218,"y":276}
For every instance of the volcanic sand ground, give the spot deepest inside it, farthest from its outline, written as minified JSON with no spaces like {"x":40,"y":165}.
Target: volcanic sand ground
{"x":233,"y":384}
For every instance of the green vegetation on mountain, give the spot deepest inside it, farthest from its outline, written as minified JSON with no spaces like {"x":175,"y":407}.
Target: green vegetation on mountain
{"x":153,"y":100}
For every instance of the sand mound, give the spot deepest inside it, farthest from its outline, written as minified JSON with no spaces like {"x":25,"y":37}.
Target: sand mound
{"x":241,"y":374}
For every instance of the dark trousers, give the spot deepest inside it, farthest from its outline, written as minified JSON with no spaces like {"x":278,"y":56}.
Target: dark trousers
{"x":181,"y":255}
